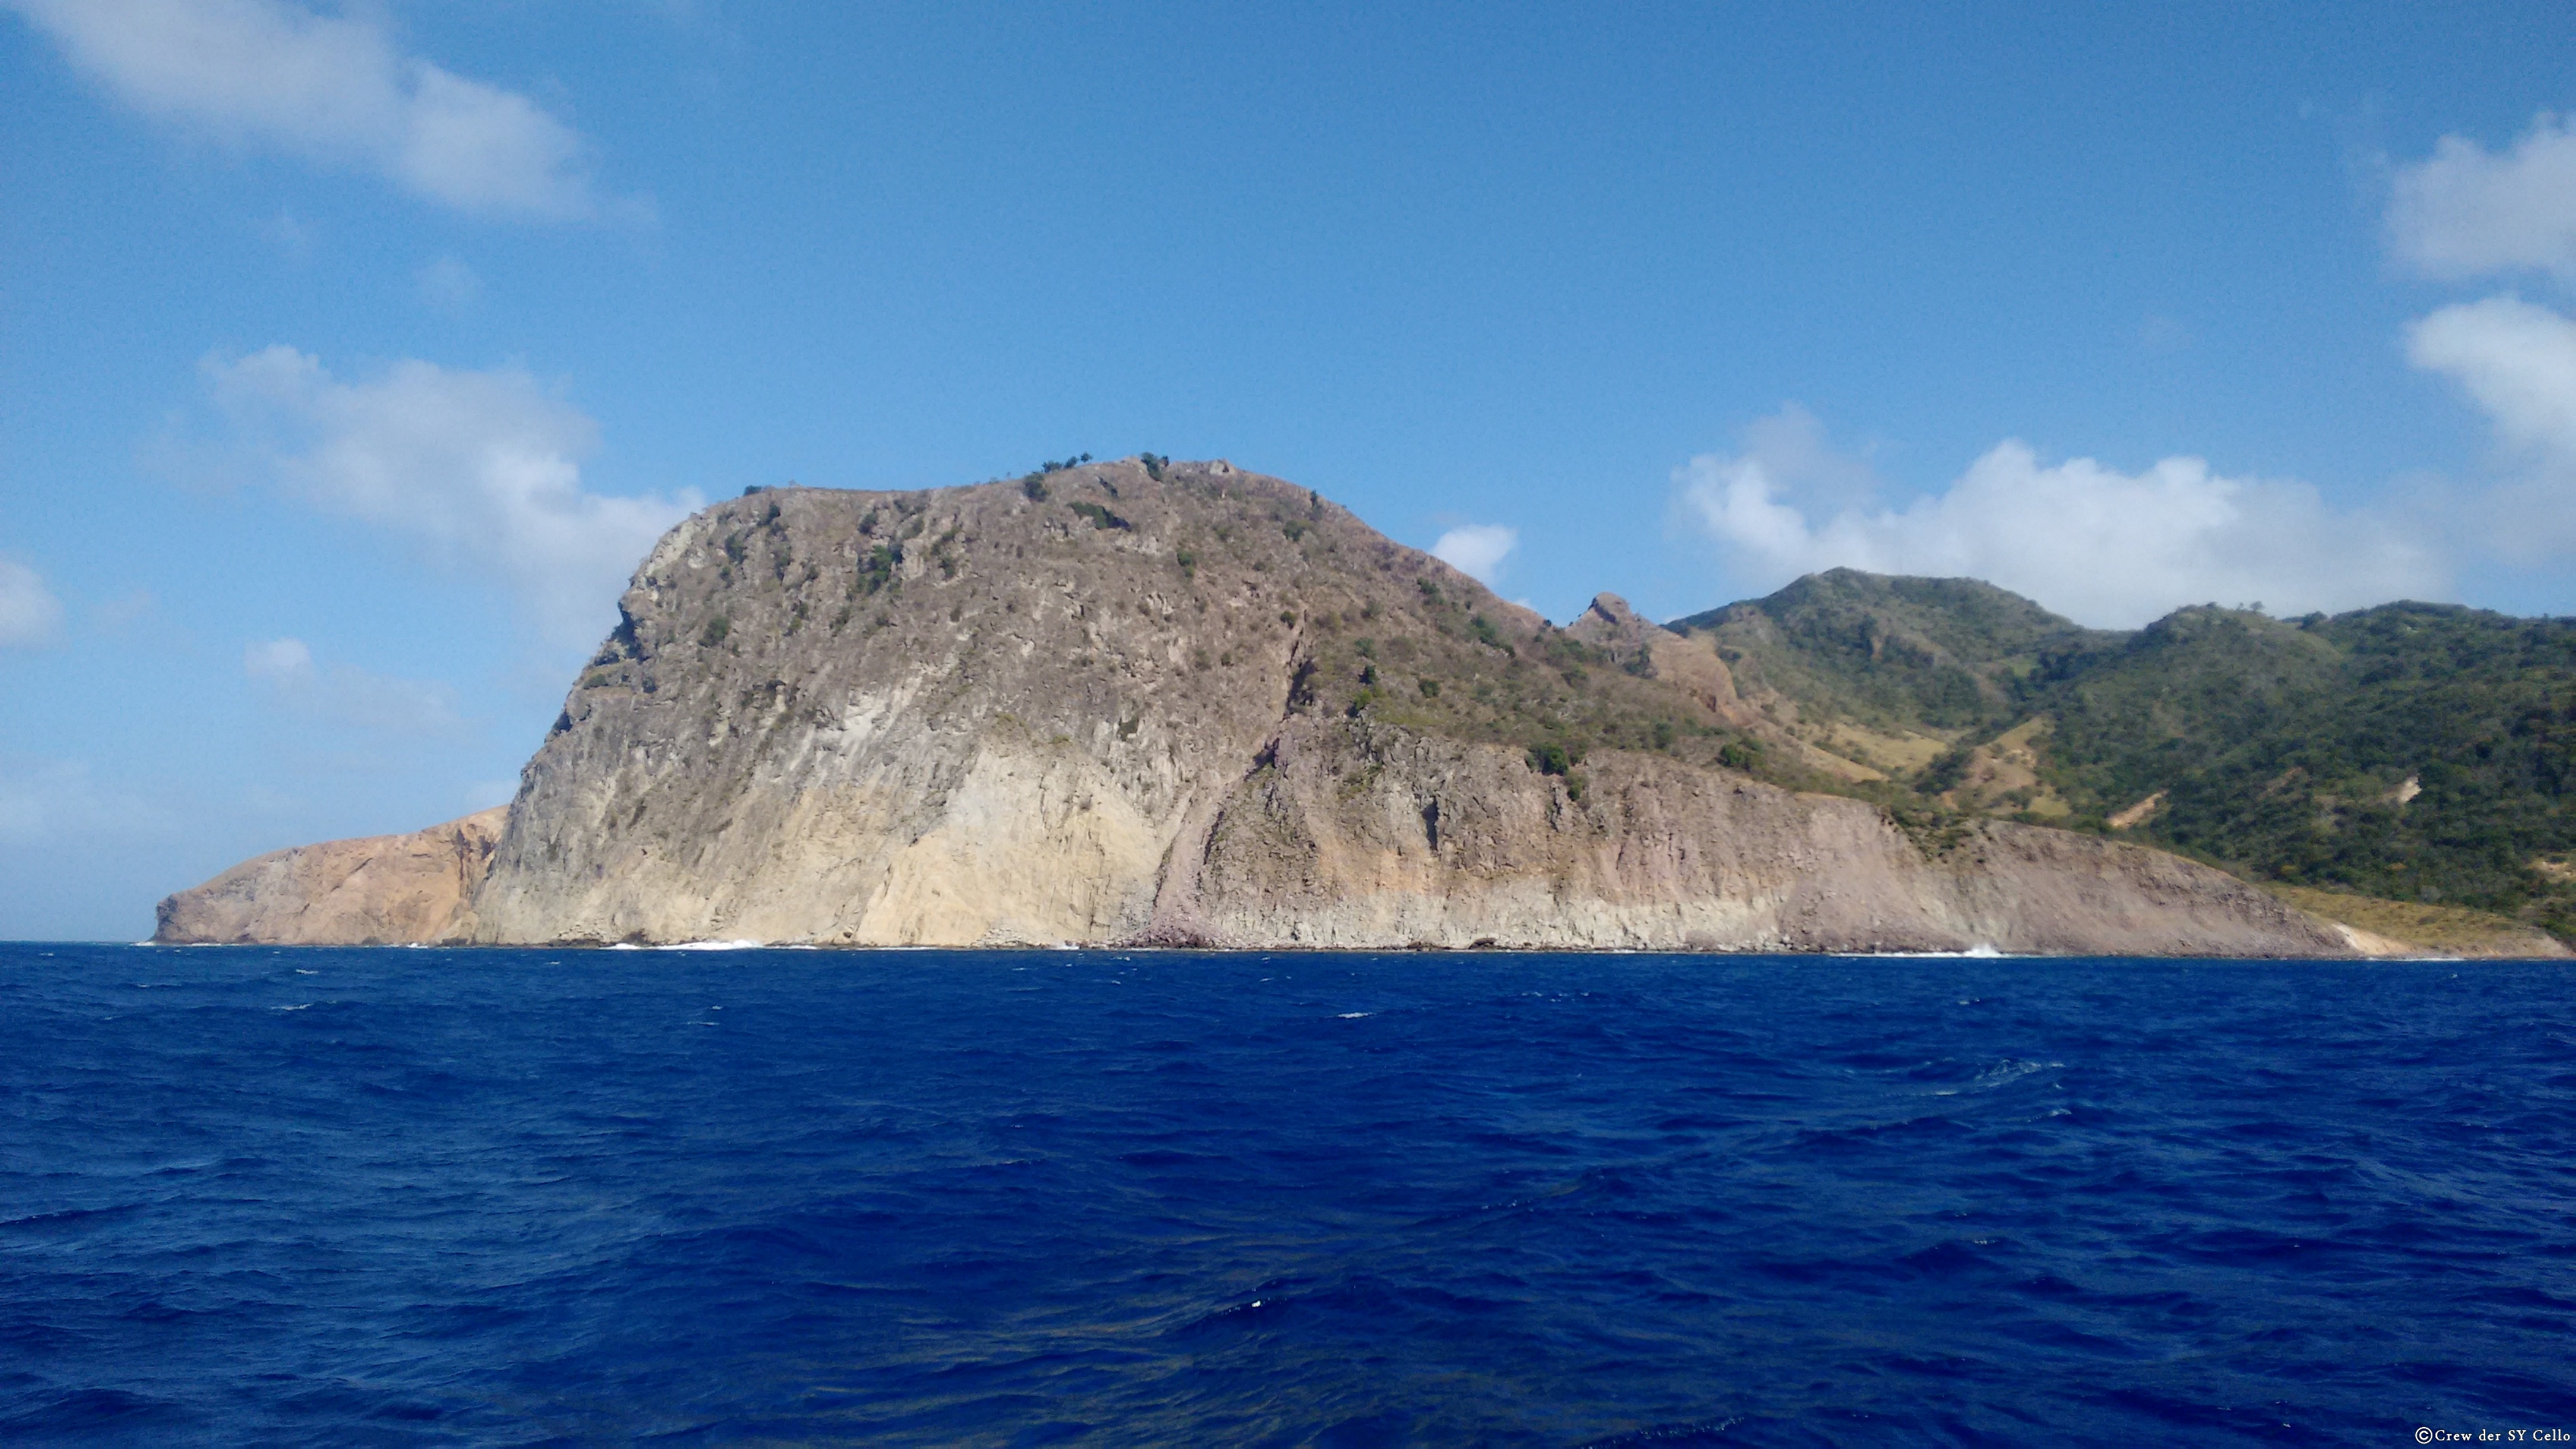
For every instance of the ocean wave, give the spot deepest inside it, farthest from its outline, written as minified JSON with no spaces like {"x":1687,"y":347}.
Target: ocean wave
{"x":1548,"y":1199}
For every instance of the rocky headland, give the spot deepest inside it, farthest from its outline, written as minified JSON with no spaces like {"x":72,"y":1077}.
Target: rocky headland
{"x":381,"y":891}
{"x":1146,"y":702}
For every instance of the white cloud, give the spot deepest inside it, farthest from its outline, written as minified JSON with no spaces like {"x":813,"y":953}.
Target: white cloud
{"x":2466,"y":211}
{"x":479,"y":471}
{"x":52,"y":800}
{"x":2160,"y":333}
{"x":30,"y":615}
{"x":1793,"y":447}
{"x":289,"y":235}
{"x":331,"y":88}
{"x":1477,"y":549}
{"x":279,"y":661}
{"x":2517,"y":362}
{"x":346,"y":695}
{"x":2103,"y":547}
{"x":448,"y":282}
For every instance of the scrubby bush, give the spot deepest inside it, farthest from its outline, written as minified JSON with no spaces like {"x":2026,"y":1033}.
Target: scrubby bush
{"x":1554,"y":757}
{"x":876,"y":569}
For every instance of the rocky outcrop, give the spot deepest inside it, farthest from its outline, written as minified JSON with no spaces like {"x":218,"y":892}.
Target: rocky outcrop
{"x":384,"y":890}
{"x":1689,"y":663}
{"x":1350,"y":836}
{"x":1142,"y":702}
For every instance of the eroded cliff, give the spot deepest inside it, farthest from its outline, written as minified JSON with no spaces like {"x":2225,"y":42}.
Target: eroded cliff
{"x":381,"y":890}
{"x":1147,"y":702}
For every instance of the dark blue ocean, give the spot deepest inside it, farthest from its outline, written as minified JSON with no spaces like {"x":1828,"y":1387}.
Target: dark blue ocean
{"x":408,"y":1197}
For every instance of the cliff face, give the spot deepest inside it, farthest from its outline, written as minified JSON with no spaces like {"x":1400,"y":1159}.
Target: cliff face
{"x":931,"y":718}
{"x":1358,"y":837}
{"x":1187,"y":705}
{"x":384,"y":890}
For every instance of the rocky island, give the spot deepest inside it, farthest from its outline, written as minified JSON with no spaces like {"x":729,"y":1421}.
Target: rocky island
{"x":1148,"y":702}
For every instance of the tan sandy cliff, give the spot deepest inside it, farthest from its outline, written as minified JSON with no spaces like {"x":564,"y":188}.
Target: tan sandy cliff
{"x":384,"y":890}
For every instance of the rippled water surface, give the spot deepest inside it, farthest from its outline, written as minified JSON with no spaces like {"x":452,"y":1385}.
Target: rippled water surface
{"x":502,"y":1197}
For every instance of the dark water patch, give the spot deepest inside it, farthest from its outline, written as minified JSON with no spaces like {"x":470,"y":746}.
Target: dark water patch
{"x":433,"y":1197}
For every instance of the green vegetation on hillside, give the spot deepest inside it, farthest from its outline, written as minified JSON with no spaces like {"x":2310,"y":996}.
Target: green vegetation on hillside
{"x":2442,"y":930}
{"x":2410,"y":752}
{"x":1932,"y":655}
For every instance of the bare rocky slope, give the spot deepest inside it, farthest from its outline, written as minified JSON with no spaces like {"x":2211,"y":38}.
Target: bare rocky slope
{"x":384,"y":890}
{"x":1144,"y":702}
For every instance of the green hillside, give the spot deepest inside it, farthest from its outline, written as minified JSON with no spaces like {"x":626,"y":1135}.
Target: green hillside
{"x":1928,"y":655}
{"x":2409,"y":752}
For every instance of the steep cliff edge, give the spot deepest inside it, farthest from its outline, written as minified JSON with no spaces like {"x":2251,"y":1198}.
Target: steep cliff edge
{"x":383,"y":890}
{"x":1147,"y":702}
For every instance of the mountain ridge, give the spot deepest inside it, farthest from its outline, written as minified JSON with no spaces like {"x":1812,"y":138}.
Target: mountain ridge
{"x":1149,"y":702}
{"x":2278,"y":748}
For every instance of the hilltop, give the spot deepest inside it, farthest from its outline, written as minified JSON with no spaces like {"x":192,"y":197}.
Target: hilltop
{"x":2411,"y":753}
{"x":1177,"y":703}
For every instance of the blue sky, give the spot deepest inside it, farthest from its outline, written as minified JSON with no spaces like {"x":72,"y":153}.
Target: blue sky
{"x":349,"y":356}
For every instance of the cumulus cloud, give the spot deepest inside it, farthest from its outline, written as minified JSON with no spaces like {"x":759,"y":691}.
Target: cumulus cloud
{"x":478,"y":471}
{"x":1477,"y":549}
{"x":2466,"y":211}
{"x":30,"y":615}
{"x":346,"y":695}
{"x":2103,"y":547}
{"x":334,"y":89}
{"x":43,"y":801}
{"x":2517,"y":363}
{"x":449,"y":283}
{"x":279,"y":661}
